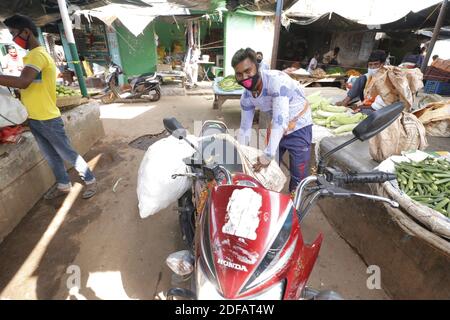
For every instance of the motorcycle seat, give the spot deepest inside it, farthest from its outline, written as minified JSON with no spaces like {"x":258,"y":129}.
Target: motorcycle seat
{"x":141,"y":77}
{"x":221,"y":152}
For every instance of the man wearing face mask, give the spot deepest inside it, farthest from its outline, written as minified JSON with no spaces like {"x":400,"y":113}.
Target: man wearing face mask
{"x":37,"y":82}
{"x":13,"y":63}
{"x":277,"y":94}
{"x":262,"y":64}
{"x":376,"y":60}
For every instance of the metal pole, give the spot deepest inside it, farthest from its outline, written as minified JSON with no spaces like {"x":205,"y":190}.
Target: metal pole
{"x":436,"y":30}
{"x":276,"y":37}
{"x":73,"y":48}
{"x":41,"y":37}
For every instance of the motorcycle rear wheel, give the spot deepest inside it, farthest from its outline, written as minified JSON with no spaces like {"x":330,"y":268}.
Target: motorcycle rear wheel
{"x":156,"y":96}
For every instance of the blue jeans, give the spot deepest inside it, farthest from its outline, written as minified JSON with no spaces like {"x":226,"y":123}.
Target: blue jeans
{"x":298,"y":144}
{"x":55,"y":146}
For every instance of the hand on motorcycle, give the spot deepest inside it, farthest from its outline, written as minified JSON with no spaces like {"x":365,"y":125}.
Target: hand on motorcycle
{"x":261,"y":163}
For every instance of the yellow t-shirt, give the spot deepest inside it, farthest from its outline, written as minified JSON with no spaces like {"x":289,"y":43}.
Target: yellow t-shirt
{"x":87,"y":69}
{"x":40,"y":96}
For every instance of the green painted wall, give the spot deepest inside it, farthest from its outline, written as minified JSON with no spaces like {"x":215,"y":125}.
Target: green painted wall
{"x":215,"y":4}
{"x":138,"y":54}
{"x":170,"y":32}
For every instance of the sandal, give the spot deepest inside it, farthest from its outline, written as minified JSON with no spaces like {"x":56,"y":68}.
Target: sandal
{"x":55,"y":192}
{"x":91,"y":190}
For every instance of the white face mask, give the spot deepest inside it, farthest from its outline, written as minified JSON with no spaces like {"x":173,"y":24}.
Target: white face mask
{"x":371,"y":72}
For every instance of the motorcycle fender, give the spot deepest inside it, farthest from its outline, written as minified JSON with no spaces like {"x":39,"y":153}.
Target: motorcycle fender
{"x":302,"y":268}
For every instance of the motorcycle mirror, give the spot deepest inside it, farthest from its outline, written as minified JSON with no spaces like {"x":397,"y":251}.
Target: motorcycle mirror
{"x":174,"y":128}
{"x":177,"y":130}
{"x":377,"y":121}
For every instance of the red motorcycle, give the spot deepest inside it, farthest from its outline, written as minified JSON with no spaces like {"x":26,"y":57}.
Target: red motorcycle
{"x":245,"y":240}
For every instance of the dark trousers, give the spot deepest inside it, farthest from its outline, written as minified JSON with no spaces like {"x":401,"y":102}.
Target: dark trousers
{"x":298,"y":144}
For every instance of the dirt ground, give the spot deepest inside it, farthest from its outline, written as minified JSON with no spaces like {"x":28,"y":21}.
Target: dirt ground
{"x":117,"y":254}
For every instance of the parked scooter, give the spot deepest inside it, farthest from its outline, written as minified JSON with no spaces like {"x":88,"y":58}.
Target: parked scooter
{"x":245,"y":240}
{"x":146,"y":86}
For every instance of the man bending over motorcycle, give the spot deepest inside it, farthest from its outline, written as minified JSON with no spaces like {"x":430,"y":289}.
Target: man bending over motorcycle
{"x":277,"y":94}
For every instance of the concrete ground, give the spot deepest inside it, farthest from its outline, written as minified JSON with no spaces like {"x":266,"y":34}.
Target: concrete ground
{"x":104,"y":247}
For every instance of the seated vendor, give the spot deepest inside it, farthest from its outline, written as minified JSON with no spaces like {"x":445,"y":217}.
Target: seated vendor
{"x":414,"y":59}
{"x":331,"y":57}
{"x":376,"y":60}
{"x":313,"y":64}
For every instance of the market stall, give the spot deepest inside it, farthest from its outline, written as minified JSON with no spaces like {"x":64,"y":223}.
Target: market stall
{"x":308,"y":80}
{"x":92,"y":42}
{"x":393,"y":239}
{"x":224,"y":91}
{"x":333,"y":77}
{"x":437,"y":77}
{"x":410,"y":242}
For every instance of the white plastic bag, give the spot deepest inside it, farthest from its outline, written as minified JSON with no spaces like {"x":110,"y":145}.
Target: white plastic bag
{"x":12,"y":111}
{"x":156,"y":189}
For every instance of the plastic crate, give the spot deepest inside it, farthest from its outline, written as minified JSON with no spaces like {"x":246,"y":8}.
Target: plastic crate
{"x":438,"y":87}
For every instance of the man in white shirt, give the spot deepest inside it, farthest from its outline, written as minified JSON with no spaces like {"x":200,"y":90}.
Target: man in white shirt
{"x":191,"y":65}
{"x":277,"y":94}
{"x":313,"y":63}
{"x":262,"y":64}
{"x":12,"y":63}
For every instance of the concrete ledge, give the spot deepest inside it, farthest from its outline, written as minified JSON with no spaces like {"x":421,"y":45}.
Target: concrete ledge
{"x":25,"y":175}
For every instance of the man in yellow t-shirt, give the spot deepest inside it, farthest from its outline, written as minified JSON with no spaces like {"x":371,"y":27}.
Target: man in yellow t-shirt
{"x":38,"y":93}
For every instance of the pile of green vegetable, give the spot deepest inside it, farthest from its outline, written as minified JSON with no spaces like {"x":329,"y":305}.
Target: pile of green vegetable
{"x":333,"y":117}
{"x":427,"y":182}
{"x":62,"y":91}
{"x":229,"y":83}
{"x":335,"y":70}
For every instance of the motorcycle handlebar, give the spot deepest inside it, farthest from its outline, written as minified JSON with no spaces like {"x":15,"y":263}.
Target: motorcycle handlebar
{"x":365,"y":177}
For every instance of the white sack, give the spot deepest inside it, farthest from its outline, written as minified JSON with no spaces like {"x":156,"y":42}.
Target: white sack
{"x":156,"y":189}
{"x":12,"y":111}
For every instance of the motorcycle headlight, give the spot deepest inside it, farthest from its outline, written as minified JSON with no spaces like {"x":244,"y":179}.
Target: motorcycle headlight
{"x":207,"y":291}
{"x":275,"y":292}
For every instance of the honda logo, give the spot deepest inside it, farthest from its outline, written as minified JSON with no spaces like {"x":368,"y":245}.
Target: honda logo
{"x":232,"y":265}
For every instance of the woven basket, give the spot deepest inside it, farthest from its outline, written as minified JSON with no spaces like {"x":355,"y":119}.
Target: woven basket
{"x":68,"y":101}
